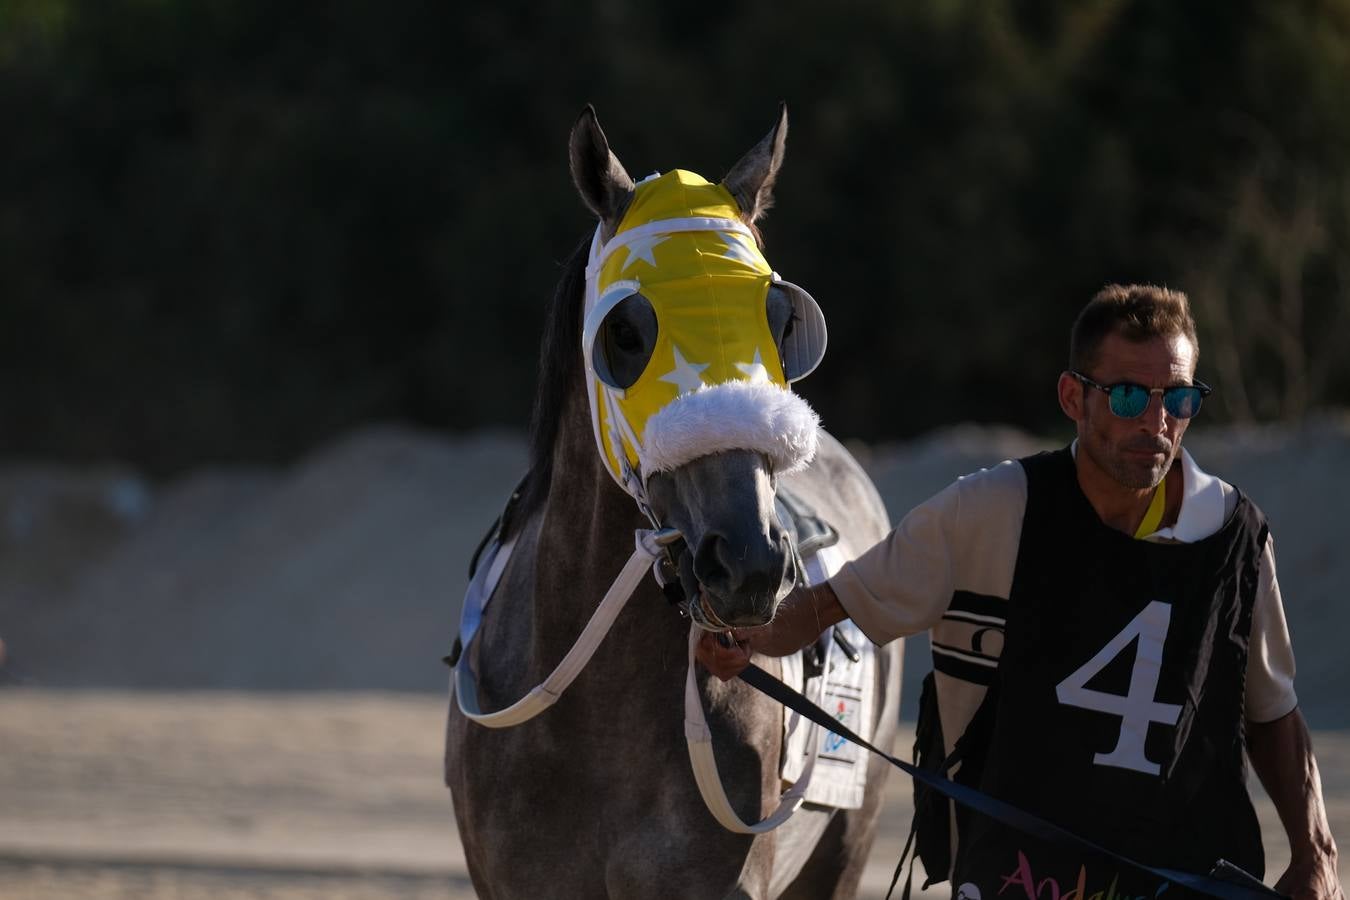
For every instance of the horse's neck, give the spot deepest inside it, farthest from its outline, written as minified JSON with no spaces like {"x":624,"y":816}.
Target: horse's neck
{"x":586,"y":534}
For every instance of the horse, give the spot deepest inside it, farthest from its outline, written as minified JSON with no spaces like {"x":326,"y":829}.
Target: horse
{"x":595,"y":797}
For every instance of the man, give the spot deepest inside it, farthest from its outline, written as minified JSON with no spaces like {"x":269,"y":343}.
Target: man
{"x":1115,"y":610}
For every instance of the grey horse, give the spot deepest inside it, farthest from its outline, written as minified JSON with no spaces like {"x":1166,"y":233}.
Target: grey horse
{"x":595,"y":797}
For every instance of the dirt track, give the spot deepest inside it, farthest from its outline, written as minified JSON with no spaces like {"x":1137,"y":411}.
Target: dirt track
{"x":285,"y":796}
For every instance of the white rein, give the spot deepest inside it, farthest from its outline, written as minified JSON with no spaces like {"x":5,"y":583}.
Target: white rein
{"x":648,"y":547}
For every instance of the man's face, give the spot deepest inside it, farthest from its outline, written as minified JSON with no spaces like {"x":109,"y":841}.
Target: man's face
{"x":1134,"y":452}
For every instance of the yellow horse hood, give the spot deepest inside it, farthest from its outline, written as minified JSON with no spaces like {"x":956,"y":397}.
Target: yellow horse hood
{"x":716,"y":379}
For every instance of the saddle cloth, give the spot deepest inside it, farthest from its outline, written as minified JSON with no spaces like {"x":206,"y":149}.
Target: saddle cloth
{"x":844,"y":688}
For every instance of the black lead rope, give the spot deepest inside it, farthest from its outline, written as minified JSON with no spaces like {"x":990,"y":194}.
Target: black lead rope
{"x":1238,"y":886}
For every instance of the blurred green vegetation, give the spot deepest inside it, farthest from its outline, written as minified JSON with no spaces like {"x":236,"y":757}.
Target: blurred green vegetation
{"x":230,"y":229}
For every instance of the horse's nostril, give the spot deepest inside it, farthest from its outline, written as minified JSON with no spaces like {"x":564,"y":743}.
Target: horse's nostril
{"x":750,"y":571}
{"x":711,"y":562}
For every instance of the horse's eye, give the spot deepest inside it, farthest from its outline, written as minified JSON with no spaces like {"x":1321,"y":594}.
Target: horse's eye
{"x":625,"y":342}
{"x":787,"y":329}
{"x":621,"y":335}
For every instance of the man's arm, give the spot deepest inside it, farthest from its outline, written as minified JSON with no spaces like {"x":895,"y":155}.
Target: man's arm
{"x":1281,"y":753}
{"x":903,"y":584}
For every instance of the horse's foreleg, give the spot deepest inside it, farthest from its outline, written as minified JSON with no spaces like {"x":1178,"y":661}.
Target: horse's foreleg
{"x":672,"y":864}
{"x":836,"y":865}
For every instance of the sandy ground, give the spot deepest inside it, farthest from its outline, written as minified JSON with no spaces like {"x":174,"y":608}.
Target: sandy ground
{"x":288,"y":796}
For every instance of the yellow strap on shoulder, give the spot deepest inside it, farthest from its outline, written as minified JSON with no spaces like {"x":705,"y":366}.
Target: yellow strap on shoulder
{"x":1156,"y":507}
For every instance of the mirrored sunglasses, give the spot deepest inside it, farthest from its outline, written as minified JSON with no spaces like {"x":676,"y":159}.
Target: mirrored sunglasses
{"x":1128,"y":400}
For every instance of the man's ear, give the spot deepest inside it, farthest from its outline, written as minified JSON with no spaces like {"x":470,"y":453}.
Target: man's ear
{"x":1071,"y":396}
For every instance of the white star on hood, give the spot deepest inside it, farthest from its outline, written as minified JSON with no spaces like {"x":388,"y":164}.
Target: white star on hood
{"x":685,"y":375}
{"x":641,"y":248}
{"x":755,"y":371}
{"x":737,"y":249}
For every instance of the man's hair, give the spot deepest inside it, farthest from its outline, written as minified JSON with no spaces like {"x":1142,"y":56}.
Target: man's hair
{"x":1137,"y":312}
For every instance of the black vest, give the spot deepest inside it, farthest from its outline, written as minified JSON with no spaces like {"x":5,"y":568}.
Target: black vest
{"x":1118,"y":706}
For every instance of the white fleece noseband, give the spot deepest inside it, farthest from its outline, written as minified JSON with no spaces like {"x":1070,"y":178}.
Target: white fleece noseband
{"x":734,"y":415}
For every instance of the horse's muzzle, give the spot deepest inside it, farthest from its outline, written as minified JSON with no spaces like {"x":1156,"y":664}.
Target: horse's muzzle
{"x":738,"y":583}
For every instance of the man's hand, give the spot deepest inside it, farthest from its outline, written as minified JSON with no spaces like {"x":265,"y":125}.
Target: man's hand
{"x":802,"y":617}
{"x":726,"y":662}
{"x":1312,"y":881}
{"x":1281,"y":753}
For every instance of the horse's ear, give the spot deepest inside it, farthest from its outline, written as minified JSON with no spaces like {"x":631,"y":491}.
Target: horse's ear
{"x":751,"y":180}
{"x":604,"y":184}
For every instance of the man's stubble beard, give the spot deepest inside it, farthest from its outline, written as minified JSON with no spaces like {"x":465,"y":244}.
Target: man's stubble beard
{"x":1111,"y":460}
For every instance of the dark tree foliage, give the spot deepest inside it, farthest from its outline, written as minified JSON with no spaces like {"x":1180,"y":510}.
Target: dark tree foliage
{"x":229,"y":230}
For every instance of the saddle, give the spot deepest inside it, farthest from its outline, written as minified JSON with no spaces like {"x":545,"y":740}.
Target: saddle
{"x":487,"y":546}
{"x":810,"y":533}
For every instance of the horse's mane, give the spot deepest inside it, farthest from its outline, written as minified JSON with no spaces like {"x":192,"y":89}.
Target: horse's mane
{"x":559,"y":365}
